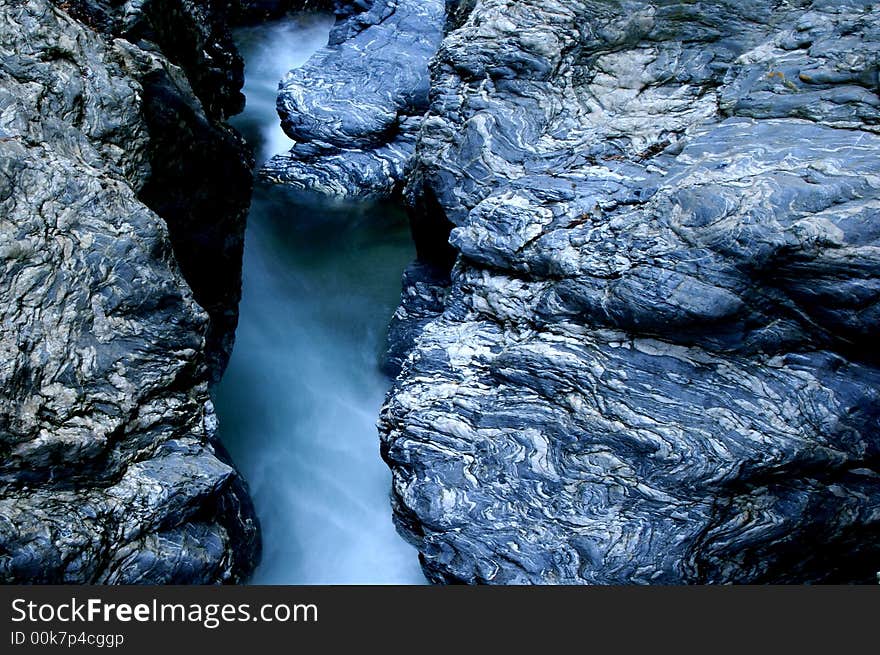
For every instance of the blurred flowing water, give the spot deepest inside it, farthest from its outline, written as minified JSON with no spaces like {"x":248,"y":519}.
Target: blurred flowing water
{"x":301,"y":396}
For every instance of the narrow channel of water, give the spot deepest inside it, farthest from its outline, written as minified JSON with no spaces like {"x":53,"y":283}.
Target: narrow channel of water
{"x":301,"y":396}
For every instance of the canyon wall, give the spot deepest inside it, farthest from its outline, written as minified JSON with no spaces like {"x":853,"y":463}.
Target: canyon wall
{"x":637,"y":347}
{"x":123,"y":200}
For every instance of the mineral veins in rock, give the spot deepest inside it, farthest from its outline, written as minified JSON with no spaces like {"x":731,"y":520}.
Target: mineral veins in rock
{"x":354,"y":108}
{"x":654,"y":362}
{"x":109,"y":466}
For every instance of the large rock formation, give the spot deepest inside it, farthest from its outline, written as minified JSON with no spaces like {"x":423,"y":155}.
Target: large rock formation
{"x":110,"y":468}
{"x":354,"y":109}
{"x":653,"y":361}
{"x":200,"y":170}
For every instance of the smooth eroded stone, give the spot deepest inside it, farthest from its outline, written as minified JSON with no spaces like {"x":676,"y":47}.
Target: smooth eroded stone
{"x":110,"y":469}
{"x":655,"y":361}
{"x":355,"y":107}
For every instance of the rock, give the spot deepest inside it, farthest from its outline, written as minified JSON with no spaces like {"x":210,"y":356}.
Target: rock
{"x":355,"y":107}
{"x":201,"y":170}
{"x":424,"y":293}
{"x":192,"y":35}
{"x":111,"y":469}
{"x":654,"y":362}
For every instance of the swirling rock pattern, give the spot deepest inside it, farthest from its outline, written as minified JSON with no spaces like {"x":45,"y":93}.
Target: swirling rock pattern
{"x":200,"y":170}
{"x":652,"y":359}
{"x":110,"y":471}
{"x":354,"y":108}
{"x":654,"y":363}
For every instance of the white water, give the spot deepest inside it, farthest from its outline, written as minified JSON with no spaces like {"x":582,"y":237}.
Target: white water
{"x":269,"y":51}
{"x":300,"y":398}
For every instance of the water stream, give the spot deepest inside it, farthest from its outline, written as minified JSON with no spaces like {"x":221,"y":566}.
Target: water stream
{"x":301,"y":396}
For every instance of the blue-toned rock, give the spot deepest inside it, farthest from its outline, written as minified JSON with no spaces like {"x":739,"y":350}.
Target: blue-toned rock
{"x":655,"y":361}
{"x":355,"y":107}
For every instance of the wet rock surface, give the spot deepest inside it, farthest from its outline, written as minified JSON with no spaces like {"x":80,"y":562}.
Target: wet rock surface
{"x":200,"y":170}
{"x":653,"y":362}
{"x":111,"y":471}
{"x":354,"y":109}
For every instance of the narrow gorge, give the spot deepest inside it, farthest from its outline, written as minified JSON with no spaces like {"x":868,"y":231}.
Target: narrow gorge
{"x":299,"y":401}
{"x":639,"y":245}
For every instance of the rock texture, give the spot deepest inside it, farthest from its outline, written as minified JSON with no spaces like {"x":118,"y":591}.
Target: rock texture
{"x":653,"y":362}
{"x":200,"y":170}
{"x":425,"y":288}
{"x":355,"y":107}
{"x":110,"y":471}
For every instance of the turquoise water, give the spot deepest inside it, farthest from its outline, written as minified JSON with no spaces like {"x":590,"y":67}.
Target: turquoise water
{"x":301,"y":396}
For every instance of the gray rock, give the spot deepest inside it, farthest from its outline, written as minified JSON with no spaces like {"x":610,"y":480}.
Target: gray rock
{"x":424,"y":295}
{"x":355,"y":107}
{"x":111,"y":471}
{"x":654,"y":363}
{"x":200,"y":170}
